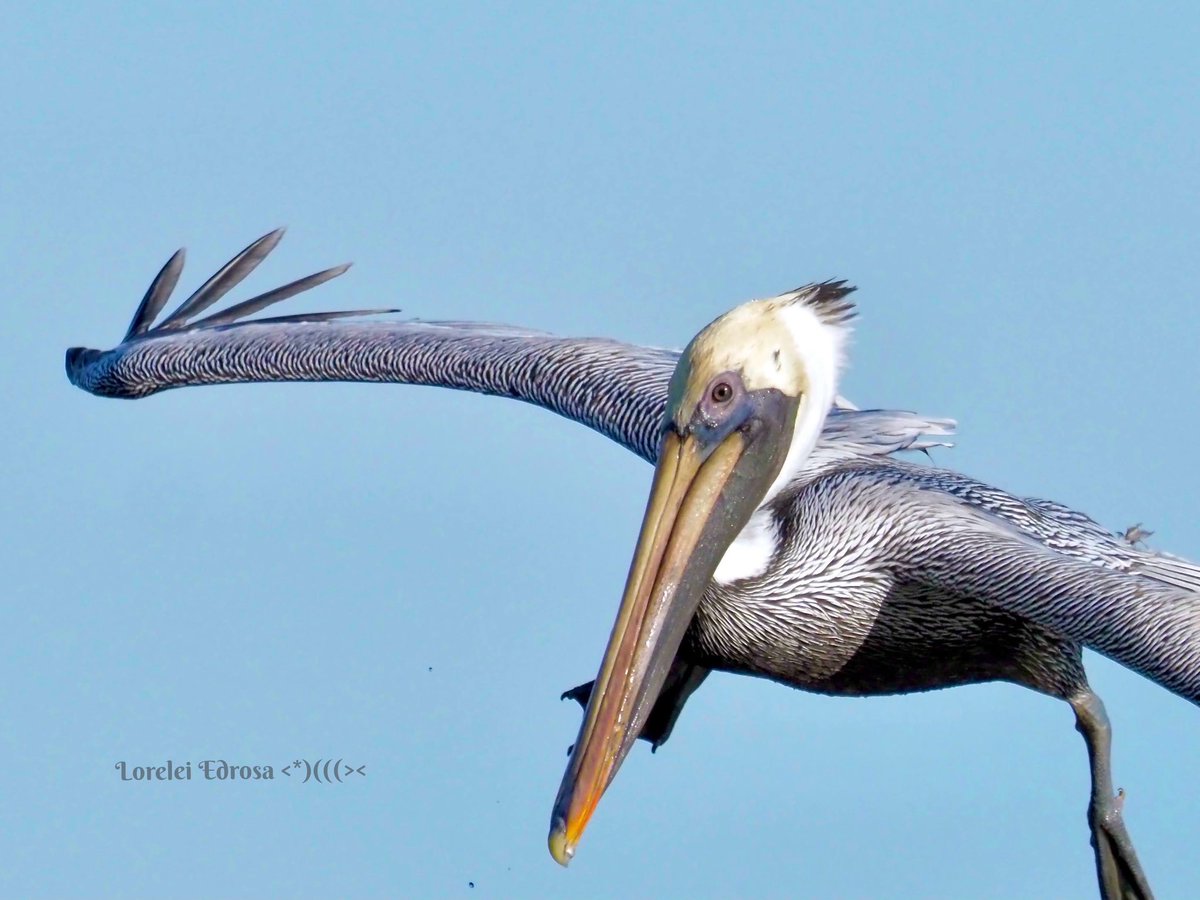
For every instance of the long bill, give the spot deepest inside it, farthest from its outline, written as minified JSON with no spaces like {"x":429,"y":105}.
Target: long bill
{"x":698,"y":503}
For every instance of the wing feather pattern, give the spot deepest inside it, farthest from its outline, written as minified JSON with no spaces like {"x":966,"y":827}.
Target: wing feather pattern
{"x":615,"y":388}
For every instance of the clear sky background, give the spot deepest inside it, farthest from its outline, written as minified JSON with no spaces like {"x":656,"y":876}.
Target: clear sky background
{"x":407,"y":578}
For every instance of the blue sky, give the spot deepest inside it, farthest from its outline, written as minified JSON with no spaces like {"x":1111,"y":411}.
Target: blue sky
{"x":407,"y":578}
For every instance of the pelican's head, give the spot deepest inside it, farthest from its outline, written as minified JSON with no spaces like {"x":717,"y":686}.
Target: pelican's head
{"x":746,"y":405}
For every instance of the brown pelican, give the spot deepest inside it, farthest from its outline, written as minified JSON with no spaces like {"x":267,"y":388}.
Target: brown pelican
{"x":781,"y":538}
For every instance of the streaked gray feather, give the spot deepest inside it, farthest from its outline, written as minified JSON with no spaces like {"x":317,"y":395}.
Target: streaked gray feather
{"x":262,"y":301}
{"x":226,"y":279}
{"x":157,"y":295}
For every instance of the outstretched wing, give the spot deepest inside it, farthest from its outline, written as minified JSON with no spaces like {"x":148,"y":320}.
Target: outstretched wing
{"x":615,"y":388}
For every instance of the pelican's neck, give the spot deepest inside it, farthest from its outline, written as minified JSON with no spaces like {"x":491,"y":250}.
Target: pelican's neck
{"x":822,"y":347}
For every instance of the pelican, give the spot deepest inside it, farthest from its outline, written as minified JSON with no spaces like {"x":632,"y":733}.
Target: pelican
{"x":781,"y":538}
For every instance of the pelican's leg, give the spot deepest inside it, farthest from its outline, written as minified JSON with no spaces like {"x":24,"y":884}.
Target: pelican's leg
{"x":1117,"y":866}
{"x":681,"y":683}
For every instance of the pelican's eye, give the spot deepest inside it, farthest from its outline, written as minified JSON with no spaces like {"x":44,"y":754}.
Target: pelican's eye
{"x":722,"y":402}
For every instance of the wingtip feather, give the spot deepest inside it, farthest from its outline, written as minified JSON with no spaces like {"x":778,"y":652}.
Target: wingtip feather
{"x":226,"y":279}
{"x":157,"y":294}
